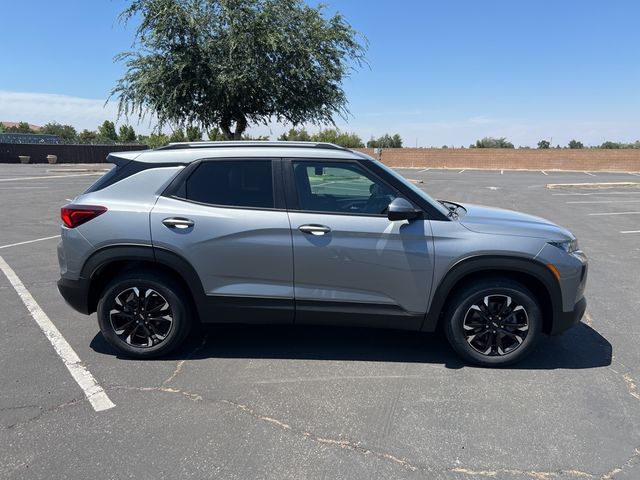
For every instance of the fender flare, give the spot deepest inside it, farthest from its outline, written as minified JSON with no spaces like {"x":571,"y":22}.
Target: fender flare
{"x":146,"y":253}
{"x":488,"y":263}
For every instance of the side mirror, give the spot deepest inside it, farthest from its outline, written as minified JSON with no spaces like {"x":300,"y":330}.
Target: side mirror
{"x":401,"y":209}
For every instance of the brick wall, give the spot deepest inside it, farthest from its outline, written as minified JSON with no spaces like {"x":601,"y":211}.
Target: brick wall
{"x":627,"y":160}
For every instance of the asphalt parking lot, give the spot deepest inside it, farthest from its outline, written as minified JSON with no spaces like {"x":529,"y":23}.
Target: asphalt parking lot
{"x":303,"y":403}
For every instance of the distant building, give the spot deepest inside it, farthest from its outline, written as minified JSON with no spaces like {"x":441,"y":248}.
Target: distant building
{"x":33,"y":127}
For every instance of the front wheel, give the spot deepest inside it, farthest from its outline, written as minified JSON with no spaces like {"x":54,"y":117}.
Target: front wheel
{"x":144,"y":314}
{"x":494,"y":322}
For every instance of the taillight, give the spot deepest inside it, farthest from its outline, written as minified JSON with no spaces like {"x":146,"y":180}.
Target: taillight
{"x":74,"y":215}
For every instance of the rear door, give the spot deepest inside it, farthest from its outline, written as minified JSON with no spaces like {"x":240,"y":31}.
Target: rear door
{"x":352,"y":264}
{"x":226,"y":219}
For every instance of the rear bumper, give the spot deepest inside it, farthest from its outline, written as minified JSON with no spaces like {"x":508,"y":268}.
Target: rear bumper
{"x":75,"y":293}
{"x":565,"y":320}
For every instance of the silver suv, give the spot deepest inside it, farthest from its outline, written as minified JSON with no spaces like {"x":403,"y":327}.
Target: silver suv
{"x":307,"y":233}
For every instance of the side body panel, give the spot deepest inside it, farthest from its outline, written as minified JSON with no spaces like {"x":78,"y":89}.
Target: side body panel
{"x":126,"y":221}
{"x":363,"y":260}
{"x":240,"y":255}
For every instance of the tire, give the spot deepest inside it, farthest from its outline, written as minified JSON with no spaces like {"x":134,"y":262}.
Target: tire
{"x":493,"y":322}
{"x":140,"y":332}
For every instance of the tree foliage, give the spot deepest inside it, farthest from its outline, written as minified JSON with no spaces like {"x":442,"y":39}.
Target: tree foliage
{"x":177,"y":136}
{"x":232,"y":63}
{"x":344,"y":139}
{"x":194,"y":134}
{"x":215,"y":134}
{"x":490,"y":142}
{"x":108,"y":131}
{"x":543,"y":144}
{"x":329,"y":135}
{"x":65,"y":132}
{"x":87,"y":136}
{"x":126,"y":134}
{"x":573,"y":144}
{"x":294,"y":135}
{"x":386,"y":141}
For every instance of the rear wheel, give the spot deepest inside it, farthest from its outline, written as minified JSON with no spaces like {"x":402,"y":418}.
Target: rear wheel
{"x":494,"y":322}
{"x":144,"y":314}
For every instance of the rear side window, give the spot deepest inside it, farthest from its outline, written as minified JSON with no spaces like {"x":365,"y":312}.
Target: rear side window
{"x":237,"y":183}
{"x":109,"y":178}
{"x":120,"y":172}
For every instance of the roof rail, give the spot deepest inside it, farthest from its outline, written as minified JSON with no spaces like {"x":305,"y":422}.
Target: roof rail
{"x":245,"y":143}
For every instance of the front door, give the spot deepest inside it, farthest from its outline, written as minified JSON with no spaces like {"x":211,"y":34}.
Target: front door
{"x":353,"y":265}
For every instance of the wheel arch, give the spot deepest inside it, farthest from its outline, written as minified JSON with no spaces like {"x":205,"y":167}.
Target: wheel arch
{"x":108,"y":262}
{"x":530,"y":273}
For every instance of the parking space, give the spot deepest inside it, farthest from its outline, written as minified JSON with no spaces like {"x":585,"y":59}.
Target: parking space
{"x":290,"y":402}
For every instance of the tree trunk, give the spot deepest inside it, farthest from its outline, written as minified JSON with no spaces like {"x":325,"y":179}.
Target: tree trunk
{"x":225,"y":127}
{"x":240,"y":124}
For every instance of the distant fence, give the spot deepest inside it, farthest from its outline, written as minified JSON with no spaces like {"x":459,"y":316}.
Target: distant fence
{"x":626,"y":160}
{"x":9,"y":152}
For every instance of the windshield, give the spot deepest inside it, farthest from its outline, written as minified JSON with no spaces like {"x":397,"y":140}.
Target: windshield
{"x":417,"y":190}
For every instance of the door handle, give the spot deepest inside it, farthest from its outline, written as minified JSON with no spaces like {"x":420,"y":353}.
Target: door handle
{"x":178,"y":222}
{"x":314,"y":229}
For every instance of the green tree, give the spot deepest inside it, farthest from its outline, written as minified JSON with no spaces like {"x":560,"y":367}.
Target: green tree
{"x":255,"y":137}
{"x":87,"y":136}
{"x":215,"y":135}
{"x":331,"y":135}
{"x":294,"y":135}
{"x":177,"y":136}
{"x":126,"y":134}
{"x":386,"y":141}
{"x":156,"y":140}
{"x":543,"y":144}
{"x":234,"y":63}
{"x":194,"y":134}
{"x":65,"y":132}
{"x":611,"y":145}
{"x":490,"y":142}
{"x":108,"y":131}
{"x":573,"y":144}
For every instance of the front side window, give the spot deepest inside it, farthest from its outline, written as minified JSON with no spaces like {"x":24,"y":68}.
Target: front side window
{"x":340,"y":188}
{"x":238,"y":183}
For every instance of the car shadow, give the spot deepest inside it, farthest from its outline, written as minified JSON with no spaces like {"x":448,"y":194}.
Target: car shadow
{"x":581,"y":347}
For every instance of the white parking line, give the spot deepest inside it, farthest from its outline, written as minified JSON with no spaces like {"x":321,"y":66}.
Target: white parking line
{"x":587,"y":173}
{"x":501,"y":172}
{"x":634,"y":174}
{"x":28,"y":241}
{"x":461,"y":171}
{"x":594,"y":193}
{"x":50,"y":176}
{"x":424,"y":170}
{"x":606,"y":201}
{"x":630,"y":231}
{"x":83,"y":377}
{"x":544,"y":173}
{"x":614,"y":213}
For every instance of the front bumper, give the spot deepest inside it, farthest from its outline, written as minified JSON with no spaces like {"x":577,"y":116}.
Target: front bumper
{"x":75,"y":293}
{"x":566,"y":320}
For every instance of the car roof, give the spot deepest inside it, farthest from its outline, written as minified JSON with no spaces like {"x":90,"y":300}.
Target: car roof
{"x":190,"y":151}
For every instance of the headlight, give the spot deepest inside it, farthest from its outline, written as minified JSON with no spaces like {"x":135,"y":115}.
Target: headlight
{"x":568,"y":246}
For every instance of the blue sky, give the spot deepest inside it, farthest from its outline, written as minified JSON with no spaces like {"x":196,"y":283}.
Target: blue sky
{"x":445,"y":72}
